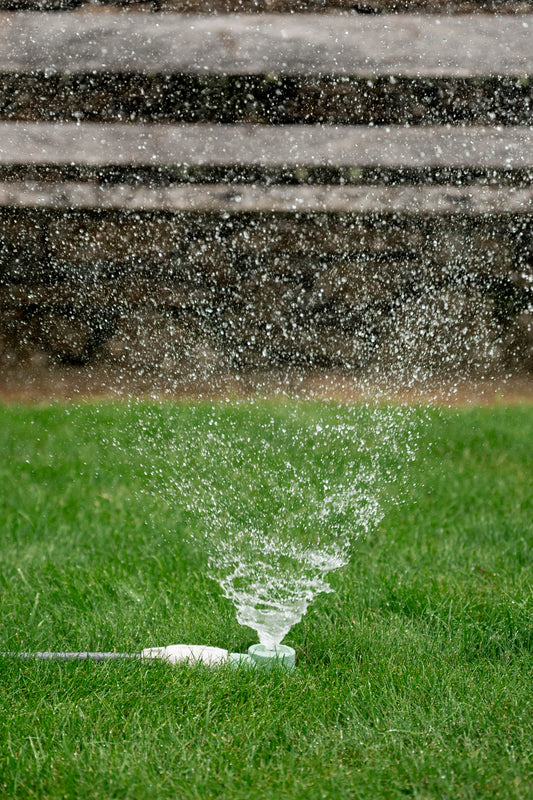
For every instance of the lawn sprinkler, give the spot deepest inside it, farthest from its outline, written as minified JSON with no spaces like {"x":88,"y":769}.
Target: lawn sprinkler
{"x":258,"y":656}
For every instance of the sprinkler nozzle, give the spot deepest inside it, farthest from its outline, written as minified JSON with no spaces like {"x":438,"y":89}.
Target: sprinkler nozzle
{"x":281,"y":656}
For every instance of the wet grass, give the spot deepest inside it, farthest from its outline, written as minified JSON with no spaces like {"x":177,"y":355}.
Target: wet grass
{"x":413,"y":679}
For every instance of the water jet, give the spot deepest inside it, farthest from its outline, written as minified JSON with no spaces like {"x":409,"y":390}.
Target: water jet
{"x":276,"y":499}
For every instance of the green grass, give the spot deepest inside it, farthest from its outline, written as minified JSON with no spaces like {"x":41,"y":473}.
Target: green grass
{"x":413,"y":679}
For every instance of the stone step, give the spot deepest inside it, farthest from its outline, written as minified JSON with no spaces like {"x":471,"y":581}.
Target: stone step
{"x":201,"y":250}
{"x":259,"y":275}
{"x":299,"y":153}
{"x":326,"y":292}
{"x":241,"y":44}
{"x":125,"y":234}
{"x":412,"y":201}
{"x":285,"y":6}
{"x":356,"y":69}
{"x":218,"y":250}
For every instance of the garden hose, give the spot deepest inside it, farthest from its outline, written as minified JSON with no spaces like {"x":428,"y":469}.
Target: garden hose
{"x":258,"y":655}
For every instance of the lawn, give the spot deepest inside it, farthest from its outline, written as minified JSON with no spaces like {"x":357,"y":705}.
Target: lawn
{"x":413,"y":677}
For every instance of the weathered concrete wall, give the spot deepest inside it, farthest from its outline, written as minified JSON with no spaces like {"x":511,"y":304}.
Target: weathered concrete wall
{"x":135,"y":239}
{"x":256,"y":289}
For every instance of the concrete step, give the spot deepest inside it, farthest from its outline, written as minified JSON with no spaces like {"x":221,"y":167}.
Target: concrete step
{"x":305,"y":68}
{"x":411,"y":201}
{"x":284,"y":6}
{"x":154,"y":153}
{"x":133,"y":247}
{"x":261,"y":274}
{"x":149,"y":217}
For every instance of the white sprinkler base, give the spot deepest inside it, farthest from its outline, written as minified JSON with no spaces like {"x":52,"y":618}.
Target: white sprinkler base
{"x":196,"y":653}
{"x":257,"y":656}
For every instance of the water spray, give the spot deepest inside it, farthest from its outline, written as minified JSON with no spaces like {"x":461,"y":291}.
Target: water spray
{"x":258,"y":656}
